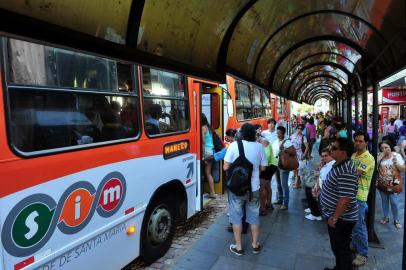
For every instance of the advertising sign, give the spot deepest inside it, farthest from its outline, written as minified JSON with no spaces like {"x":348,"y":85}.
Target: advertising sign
{"x":393,"y":96}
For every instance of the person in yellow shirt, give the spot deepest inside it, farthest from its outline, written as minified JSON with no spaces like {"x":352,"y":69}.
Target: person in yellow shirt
{"x":365,"y":164}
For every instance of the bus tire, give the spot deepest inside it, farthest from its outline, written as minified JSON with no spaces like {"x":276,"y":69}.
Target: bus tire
{"x":158,"y":229}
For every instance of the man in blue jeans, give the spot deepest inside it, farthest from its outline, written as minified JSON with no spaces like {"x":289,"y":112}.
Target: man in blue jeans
{"x":282,"y":176}
{"x":365,"y":164}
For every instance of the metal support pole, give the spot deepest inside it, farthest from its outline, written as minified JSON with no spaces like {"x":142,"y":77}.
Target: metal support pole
{"x":364,"y":104}
{"x":356,"y":110}
{"x":337,"y":106}
{"x":404,"y":241}
{"x":349,"y":116}
{"x":372,"y":237}
{"x":343,"y":108}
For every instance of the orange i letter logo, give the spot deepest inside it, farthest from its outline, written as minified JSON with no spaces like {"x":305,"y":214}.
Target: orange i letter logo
{"x":78,"y":207}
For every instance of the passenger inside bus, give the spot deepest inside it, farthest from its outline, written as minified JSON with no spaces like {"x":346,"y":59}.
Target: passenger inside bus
{"x":155,"y":120}
{"x":128,"y":86}
{"x":128,"y":115}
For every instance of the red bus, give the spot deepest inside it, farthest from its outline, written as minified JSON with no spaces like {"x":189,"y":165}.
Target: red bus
{"x":96,"y":154}
{"x":249,"y":103}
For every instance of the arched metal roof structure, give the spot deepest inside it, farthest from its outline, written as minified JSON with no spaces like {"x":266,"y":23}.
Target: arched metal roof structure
{"x":268,"y":43}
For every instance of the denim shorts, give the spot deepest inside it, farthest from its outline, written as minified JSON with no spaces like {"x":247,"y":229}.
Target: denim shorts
{"x":208,"y":152}
{"x":237,"y":204}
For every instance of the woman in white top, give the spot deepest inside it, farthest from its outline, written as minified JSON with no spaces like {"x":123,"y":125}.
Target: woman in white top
{"x":326,"y":163}
{"x":390,"y":166}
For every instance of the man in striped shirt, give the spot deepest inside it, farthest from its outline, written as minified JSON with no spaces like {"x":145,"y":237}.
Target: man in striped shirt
{"x":338,"y":202}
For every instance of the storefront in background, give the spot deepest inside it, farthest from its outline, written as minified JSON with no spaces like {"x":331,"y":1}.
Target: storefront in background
{"x":392,"y":103}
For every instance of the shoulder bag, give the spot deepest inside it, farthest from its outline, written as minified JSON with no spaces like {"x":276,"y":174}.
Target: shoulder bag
{"x":217,"y":142}
{"x":287,"y":158}
{"x":396,"y":184}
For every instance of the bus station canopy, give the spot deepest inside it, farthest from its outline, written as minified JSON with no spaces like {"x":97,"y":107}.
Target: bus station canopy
{"x":301,"y":50}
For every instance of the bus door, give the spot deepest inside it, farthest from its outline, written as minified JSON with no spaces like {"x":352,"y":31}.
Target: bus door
{"x":212,"y":107}
{"x":195,"y":86}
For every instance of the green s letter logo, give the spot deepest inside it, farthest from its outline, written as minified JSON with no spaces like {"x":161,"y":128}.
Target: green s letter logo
{"x":31,"y":224}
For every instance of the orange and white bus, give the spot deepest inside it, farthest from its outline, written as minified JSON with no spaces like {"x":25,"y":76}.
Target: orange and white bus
{"x":96,"y":155}
{"x":249,"y":103}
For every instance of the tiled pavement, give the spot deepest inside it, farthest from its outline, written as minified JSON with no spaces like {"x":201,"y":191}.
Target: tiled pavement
{"x":290,"y":242}
{"x":187,"y":233}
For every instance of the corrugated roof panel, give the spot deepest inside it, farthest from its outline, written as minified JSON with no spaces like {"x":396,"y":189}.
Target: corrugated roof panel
{"x":187,"y":31}
{"x":314,"y":52}
{"x":107,"y":19}
{"x":316,"y":25}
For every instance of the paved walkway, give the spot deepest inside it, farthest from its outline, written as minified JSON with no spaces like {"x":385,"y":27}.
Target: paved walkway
{"x":187,"y":233}
{"x":290,"y":242}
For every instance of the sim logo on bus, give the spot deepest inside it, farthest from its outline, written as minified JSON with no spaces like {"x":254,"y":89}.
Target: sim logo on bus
{"x":33,"y":220}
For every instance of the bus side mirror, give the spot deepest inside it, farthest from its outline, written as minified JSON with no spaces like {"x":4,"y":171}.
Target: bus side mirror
{"x":230,"y":108}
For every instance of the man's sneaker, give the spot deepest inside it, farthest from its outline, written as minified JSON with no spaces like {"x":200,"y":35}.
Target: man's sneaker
{"x":307,"y":210}
{"x":359,"y":260}
{"x":233,"y":249}
{"x":311,"y":217}
{"x":257,"y":249}
{"x":283,"y":207}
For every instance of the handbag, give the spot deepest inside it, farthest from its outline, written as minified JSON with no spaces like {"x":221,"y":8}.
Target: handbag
{"x":217,"y":142}
{"x":303,"y":146}
{"x":395,"y":186}
{"x":287,"y":159}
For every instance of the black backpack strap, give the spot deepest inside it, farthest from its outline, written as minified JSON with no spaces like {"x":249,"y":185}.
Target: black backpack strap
{"x":240,"y":148}
{"x":242,"y":155}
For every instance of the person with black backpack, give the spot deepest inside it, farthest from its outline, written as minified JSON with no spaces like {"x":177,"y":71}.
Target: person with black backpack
{"x":243,"y":161}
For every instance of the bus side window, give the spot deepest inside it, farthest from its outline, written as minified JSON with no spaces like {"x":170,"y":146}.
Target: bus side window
{"x":243,"y":101}
{"x":165,"y":102}
{"x":46,"y":115}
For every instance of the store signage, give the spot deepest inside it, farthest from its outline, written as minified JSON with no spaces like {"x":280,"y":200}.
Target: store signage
{"x":393,"y":96}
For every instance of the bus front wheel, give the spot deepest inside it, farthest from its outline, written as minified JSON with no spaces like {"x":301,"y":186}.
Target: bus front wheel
{"x":157,"y":230}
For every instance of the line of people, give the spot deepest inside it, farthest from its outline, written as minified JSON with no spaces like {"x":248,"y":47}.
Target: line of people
{"x":336,"y":189}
